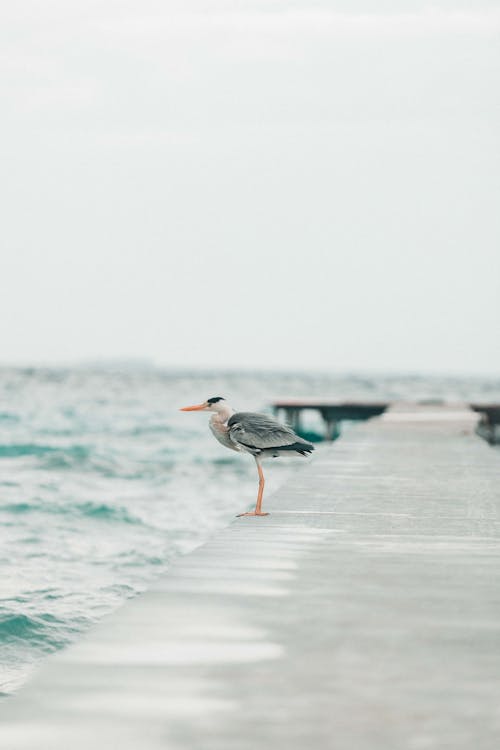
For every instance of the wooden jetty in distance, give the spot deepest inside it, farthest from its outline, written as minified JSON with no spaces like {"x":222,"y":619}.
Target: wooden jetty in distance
{"x":489,"y":424}
{"x":332,"y":412}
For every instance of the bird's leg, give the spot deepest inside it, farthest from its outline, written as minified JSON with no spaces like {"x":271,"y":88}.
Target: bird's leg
{"x":258,"y":506}
{"x":262,"y":482}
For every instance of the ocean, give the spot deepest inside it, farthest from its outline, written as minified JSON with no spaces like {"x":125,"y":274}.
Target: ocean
{"x":103,"y":483}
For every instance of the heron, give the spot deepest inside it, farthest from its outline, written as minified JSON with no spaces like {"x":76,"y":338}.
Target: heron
{"x":250,"y":432}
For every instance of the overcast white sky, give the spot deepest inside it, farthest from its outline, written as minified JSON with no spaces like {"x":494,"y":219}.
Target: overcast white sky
{"x":251,"y":183}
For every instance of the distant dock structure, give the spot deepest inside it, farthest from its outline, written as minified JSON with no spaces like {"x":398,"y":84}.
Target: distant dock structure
{"x":489,"y":424}
{"x":332,"y":412}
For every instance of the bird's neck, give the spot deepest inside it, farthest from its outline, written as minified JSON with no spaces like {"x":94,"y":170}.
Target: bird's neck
{"x":222,"y":414}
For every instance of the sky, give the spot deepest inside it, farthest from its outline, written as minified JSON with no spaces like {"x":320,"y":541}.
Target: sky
{"x":251,"y":183}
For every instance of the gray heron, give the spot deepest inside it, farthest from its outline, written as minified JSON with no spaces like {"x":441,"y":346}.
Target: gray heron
{"x":249,"y":432}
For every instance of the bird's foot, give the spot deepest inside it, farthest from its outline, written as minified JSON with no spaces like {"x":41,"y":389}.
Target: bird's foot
{"x":252,"y":513}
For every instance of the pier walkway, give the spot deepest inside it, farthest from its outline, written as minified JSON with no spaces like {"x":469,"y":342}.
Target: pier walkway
{"x":362,"y":614}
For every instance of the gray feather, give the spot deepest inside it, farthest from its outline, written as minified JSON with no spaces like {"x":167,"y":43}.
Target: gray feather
{"x":260,"y":431}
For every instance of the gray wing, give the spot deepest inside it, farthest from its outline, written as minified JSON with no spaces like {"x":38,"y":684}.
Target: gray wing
{"x":260,"y":431}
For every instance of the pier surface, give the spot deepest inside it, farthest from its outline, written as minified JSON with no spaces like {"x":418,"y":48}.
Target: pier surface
{"x":362,"y":614}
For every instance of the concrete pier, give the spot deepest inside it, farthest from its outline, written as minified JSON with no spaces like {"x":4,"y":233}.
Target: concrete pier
{"x":362,"y":614}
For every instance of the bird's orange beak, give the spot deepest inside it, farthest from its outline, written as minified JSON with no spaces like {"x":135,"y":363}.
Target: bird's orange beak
{"x":197,"y":407}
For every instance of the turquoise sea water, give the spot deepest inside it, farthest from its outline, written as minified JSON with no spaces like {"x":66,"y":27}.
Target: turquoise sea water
{"x":103,"y":482}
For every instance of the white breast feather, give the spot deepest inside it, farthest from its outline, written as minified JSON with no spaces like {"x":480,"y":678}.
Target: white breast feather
{"x":221,"y":432}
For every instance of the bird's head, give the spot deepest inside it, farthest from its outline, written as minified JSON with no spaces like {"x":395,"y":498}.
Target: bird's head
{"x":216,"y":403}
